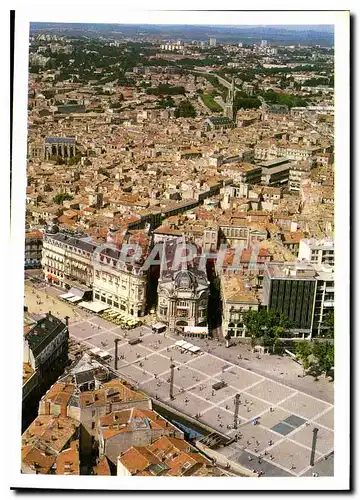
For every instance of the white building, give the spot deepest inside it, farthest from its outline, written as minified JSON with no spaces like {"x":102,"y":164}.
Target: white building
{"x":324,"y":297}
{"x":317,"y":251}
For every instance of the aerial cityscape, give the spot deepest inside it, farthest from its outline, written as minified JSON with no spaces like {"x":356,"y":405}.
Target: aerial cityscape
{"x":179,"y":251}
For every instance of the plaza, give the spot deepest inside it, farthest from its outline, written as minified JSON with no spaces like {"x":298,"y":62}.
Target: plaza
{"x":282,"y":438}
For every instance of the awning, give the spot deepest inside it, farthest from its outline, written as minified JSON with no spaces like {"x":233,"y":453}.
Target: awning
{"x":94,"y":306}
{"x":195,"y":330}
{"x":79,"y":292}
{"x":180,"y":343}
{"x":66,"y":295}
{"x":74,"y":299}
{"x":187,"y":346}
{"x":158,"y":326}
{"x":194,"y":348}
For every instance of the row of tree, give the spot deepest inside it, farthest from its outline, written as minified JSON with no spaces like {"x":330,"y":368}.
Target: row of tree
{"x":266,"y":327}
{"x":316,"y":357}
{"x":164,"y":89}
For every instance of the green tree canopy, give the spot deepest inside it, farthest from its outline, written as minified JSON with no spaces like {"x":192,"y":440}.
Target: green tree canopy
{"x":185,"y":110}
{"x":61,"y":197}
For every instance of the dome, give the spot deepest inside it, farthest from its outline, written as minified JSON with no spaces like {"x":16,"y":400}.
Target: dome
{"x":53,"y":229}
{"x":185,"y":280}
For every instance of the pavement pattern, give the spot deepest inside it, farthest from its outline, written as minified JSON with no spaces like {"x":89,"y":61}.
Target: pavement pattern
{"x":279,"y":444}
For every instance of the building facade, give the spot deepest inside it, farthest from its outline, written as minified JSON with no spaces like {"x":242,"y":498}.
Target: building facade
{"x":33,"y":248}
{"x":237,"y":296}
{"x":324,"y":298}
{"x":120,"y":285}
{"x":317,"y":251}
{"x":45,"y":355}
{"x":290,"y":288}
{"x":67,"y":259}
{"x":183,"y":298}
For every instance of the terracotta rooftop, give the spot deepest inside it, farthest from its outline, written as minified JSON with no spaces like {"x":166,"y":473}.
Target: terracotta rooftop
{"x":27,"y":372}
{"x":67,"y":462}
{"x":102,"y":468}
{"x":166,"y":457}
{"x":114,"y":391}
{"x":36,"y":459}
{"x":235,"y":289}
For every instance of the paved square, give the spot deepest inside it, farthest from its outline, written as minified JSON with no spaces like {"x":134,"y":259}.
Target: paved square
{"x":249,"y":407}
{"x":209,"y":364}
{"x":152,"y":342}
{"x":105,"y":340}
{"x":184,"y":377}
{"x":294,"y":421}
{"x":238,"y":378}
{"x":271,"y":418}
{"x":304,"y":405}
{"x":136,"y":374}
{"x":255,"y":438}
{"x":134,"y":333}
{"x":131,"y":353}
{"x":84,"y":330}
{"x":327,"y":419}
{"x":219,"y":419}
{"x":155,"y":387}
{"x":206,"y":391}
{"x":154,"y":363}
{"x":178,"y":355}
{"x":189,"y":404}
{"x":282,"y":429}
{"x":270,"y":391}
{"x":324,"y":442}
{"x":250,"y":461}
{"x":102,"y":323}
{"x":288,"y":453}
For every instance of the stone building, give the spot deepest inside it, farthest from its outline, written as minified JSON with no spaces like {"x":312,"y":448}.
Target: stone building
{"x":44,"y":359}
{"x":59,"y":146}
{"x":33,"y":248}
{"x":120,"y":430}
{"x":67,"y":258}
{"x":86,"y":393}
{"x":182,"y":293}
{"x":237,"y":296}
{"x":119,"y":284}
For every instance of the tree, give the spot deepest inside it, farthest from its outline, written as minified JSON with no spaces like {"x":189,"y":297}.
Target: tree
{"x":167,"y":102}
{"x":185,"y":110}
{"x":328,"y":331}
{"x":74,"y":160}
{"x":61,"y":197}
{"x":324,"y":354}
{"x":303,"y":350}
{"x":253,"y":322}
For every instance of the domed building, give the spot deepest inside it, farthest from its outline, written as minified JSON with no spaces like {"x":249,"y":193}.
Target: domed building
{"x":183,"y":297}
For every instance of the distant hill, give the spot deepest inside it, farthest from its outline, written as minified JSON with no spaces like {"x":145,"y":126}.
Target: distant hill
{"x":278,"y":35}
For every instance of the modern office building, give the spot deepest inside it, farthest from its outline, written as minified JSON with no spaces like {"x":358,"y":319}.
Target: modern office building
{"x":290,"y":288}
{"x":212,"y":42}
{"x":324,"y":298}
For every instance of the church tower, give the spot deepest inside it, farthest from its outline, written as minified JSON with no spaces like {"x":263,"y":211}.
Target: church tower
{"x":230,"y":110}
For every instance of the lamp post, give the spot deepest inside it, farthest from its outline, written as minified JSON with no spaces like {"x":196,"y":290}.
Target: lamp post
{"x":313,"y":446}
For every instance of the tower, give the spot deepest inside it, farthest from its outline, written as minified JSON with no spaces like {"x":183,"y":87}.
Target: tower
{"x":230,"y":110}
